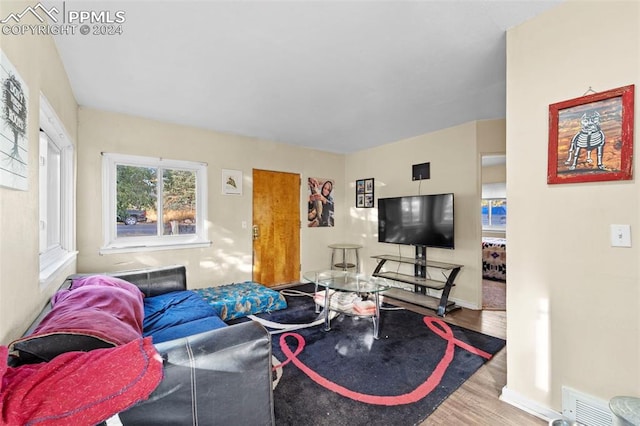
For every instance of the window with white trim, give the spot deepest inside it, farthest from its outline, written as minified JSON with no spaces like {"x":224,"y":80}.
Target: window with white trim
{"x":153,"y":203}
{"x":493,"y":208}
{"x":494,"y":214}
{"x":56,"y":195}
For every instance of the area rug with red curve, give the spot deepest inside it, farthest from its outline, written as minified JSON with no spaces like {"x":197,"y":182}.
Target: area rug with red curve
{"x":346,"y":377}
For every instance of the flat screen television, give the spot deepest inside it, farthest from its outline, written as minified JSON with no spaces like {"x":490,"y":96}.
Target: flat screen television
{"x":419,"y":220}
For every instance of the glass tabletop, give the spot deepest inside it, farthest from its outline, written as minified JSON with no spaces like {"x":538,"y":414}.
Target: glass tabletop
{"x":345,"y":246}
{"x":347,"y":281}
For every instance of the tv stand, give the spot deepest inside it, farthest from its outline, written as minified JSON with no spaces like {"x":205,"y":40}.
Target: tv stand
{"x":420,"y":281}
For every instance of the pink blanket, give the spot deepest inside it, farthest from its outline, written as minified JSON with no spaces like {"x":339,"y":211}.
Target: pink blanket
{"x":79,"y":388}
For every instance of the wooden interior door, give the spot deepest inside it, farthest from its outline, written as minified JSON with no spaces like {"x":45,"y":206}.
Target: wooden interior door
{"x":276,"y":227}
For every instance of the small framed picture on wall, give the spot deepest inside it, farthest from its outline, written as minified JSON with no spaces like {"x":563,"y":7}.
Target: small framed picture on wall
{"x":364,"y":193}
{"x":231,"y":182}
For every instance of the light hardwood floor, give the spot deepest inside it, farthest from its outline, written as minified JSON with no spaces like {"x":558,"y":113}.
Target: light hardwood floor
{"x":477,"y":401}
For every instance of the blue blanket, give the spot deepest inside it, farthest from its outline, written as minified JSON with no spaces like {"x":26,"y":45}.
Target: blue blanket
{"x":178,"y":314}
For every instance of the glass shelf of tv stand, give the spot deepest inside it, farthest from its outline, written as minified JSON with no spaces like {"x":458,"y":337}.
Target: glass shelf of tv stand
{"x":411,"y":279}
{"x":420,"y":282}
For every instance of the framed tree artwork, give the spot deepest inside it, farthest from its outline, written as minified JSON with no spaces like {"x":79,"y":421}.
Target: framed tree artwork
{"x":364,"y":193}
{"x":14,"y":144}
{"x":591,"y":137}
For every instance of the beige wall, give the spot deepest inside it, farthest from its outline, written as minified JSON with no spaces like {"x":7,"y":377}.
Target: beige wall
{"x":573,"y":301}
{"x":494,"y":174}
{"x":454,"y":159}
{"x":36,"y":60}
{"x":229,"y":258}
{"x":491,"y":136}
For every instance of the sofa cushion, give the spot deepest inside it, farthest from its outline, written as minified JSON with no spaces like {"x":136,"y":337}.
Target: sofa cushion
{"x":95,"y":312}
{"x":178,"y":314}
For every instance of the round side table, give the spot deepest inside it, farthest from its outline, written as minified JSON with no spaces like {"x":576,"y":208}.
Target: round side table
{"x":626,"y":410}
{"x":344,"y":247}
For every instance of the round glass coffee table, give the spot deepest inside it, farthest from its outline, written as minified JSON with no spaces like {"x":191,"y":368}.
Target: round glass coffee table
{"x":349,"y":293}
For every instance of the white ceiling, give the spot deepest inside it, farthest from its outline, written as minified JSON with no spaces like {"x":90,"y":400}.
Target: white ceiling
{"x":339,"y":76}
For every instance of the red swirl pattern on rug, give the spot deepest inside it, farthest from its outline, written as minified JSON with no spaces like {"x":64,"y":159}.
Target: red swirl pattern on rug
{"x":439,"y":327}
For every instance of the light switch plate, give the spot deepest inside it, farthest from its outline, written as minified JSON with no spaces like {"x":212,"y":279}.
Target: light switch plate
{"x":620,"y":235}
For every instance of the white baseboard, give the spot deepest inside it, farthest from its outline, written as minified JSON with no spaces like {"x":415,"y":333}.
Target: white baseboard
{"x":531,"y":407}
{"x":462,"y":303}
{"x":465,"y":304}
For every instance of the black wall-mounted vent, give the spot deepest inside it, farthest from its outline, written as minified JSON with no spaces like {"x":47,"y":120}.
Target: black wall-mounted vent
{"x":421,"y":171}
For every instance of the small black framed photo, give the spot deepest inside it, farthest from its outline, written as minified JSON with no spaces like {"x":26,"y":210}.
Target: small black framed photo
{"x":365,"y":193}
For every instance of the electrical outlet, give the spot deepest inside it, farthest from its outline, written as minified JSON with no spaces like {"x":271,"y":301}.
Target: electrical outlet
{"x":620,"y":235}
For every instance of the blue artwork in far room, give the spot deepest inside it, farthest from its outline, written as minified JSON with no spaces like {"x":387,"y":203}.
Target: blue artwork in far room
{"x":14,"y":146}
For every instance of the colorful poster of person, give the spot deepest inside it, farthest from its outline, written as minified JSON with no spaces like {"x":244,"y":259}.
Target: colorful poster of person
{"x":13,"y":127}
{"x":320,"y":202}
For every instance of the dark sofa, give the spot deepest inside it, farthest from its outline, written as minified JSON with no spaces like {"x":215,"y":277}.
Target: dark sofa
{"x":218,"y":377}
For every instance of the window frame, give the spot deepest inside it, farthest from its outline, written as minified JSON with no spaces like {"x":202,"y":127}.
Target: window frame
{"x":492,"y":227}
{"x":55,"y":258}
{"x":114,"y":244}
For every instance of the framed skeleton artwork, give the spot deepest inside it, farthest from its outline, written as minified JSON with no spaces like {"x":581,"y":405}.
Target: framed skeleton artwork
{"x":591,"y":138}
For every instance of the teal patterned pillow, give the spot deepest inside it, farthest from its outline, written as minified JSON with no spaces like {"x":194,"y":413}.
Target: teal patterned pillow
{"x":242,"y":299}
